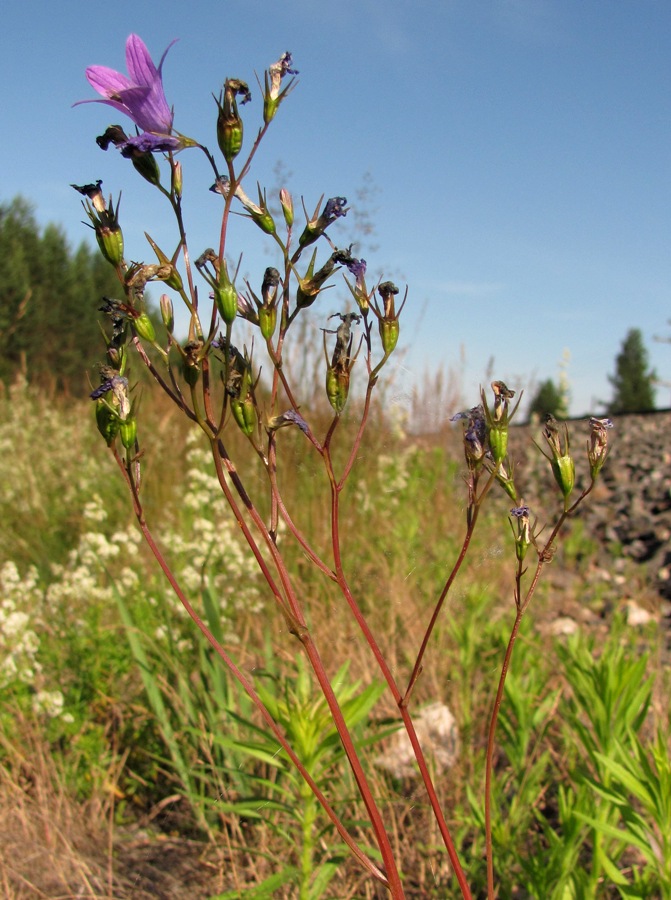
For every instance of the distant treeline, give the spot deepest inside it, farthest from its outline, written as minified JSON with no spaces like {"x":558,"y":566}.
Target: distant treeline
{"x":49,"y":297}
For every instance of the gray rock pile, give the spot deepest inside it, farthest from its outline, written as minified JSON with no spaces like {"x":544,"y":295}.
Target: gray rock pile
{"x":629,"y":512}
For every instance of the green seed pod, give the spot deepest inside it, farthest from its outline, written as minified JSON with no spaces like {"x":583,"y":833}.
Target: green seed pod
{"x":191,"y":372}
{"x":226,"y":298}
{"x":498,"y":442}
{"x":267,"y":321}
{"x":244,"y":413}
{"x":146,"y":165}
{"x":110,"y":241}
{"x":563,"y":469}
{"x":107,"y":422}
{"x":145,"y":327}
{"x":389,"y":329}
{"x":229,"y":136}
{"x":128,"y":432}
{"x":229,"y":123}
{"x":337,"y":388}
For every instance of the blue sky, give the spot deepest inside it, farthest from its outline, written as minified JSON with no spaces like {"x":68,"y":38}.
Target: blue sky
{"x":520,"y":151}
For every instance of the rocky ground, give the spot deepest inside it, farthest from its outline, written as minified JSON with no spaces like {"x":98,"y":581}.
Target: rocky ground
{"x":626,"y":522}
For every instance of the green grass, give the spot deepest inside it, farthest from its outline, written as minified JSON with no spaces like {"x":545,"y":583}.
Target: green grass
{"x":582,"y":775}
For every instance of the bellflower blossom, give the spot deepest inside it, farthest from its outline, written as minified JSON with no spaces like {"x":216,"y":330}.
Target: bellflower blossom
{"x":140,"y":96}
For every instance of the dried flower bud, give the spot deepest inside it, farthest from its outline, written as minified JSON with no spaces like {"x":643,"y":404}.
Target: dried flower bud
{"x":597,"y":445}
{"x":520,"y":524}
{"x":191,"y":362}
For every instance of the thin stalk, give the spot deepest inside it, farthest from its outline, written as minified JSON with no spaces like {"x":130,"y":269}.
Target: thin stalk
{"x":242,"y":679}
{"x":297,"y":625}
{"x":389,"y":678}
{"x":521,"y":606}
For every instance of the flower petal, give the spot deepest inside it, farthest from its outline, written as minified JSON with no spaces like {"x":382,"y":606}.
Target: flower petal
{"x":107,"y":81}
{"x":140,"y":65}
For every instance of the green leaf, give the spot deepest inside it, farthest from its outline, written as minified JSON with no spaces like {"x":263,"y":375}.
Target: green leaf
{"x":264,"y":891}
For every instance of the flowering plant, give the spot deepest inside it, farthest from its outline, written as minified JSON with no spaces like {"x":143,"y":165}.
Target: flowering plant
{"x":218,"y":387}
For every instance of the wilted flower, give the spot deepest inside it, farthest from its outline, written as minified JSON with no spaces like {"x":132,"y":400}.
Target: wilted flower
{"x":104,"y":221}
{"x":502,"y":398}
{"x":521,"y":530}
{"x":387,"y":317}
{"x":312,"y":282}
{"x":597,"y":445}
{"x":290,"y":417}
{"x":140,"y":96}
{"x":475,"y":434}
{"x":563,"y":466}
{"x":272,"y":97}
{"x":118,"y":385}
{"x":317,"y":225}
{"x":498,"y":419}
{"x":229,"y":124}
{"x":277,"y":71}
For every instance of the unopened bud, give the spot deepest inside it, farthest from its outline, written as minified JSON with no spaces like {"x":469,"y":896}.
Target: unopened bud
{"x":177,"y":180}
{"x":167,"y":313}
{"x":287,"y":204}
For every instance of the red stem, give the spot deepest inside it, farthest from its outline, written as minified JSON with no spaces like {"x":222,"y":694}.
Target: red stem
{"x":242,"y":679}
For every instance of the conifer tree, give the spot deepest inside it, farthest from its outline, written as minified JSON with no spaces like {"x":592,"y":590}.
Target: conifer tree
{"x":632,"y":381}
{"x":49,"y":297}
{"x":548,"y":399}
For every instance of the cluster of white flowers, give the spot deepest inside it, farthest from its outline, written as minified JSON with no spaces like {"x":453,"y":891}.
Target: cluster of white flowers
{"x":205,"y":548}
{"x":82,"y":576}
{"x":393,"y":474}
{"x":19,"y":642}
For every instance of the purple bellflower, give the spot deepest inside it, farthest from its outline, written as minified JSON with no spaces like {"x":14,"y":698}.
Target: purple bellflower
{"x":140,"y":96}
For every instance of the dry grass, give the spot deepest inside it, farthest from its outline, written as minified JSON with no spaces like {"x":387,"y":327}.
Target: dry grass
{"x":54,"y":846}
